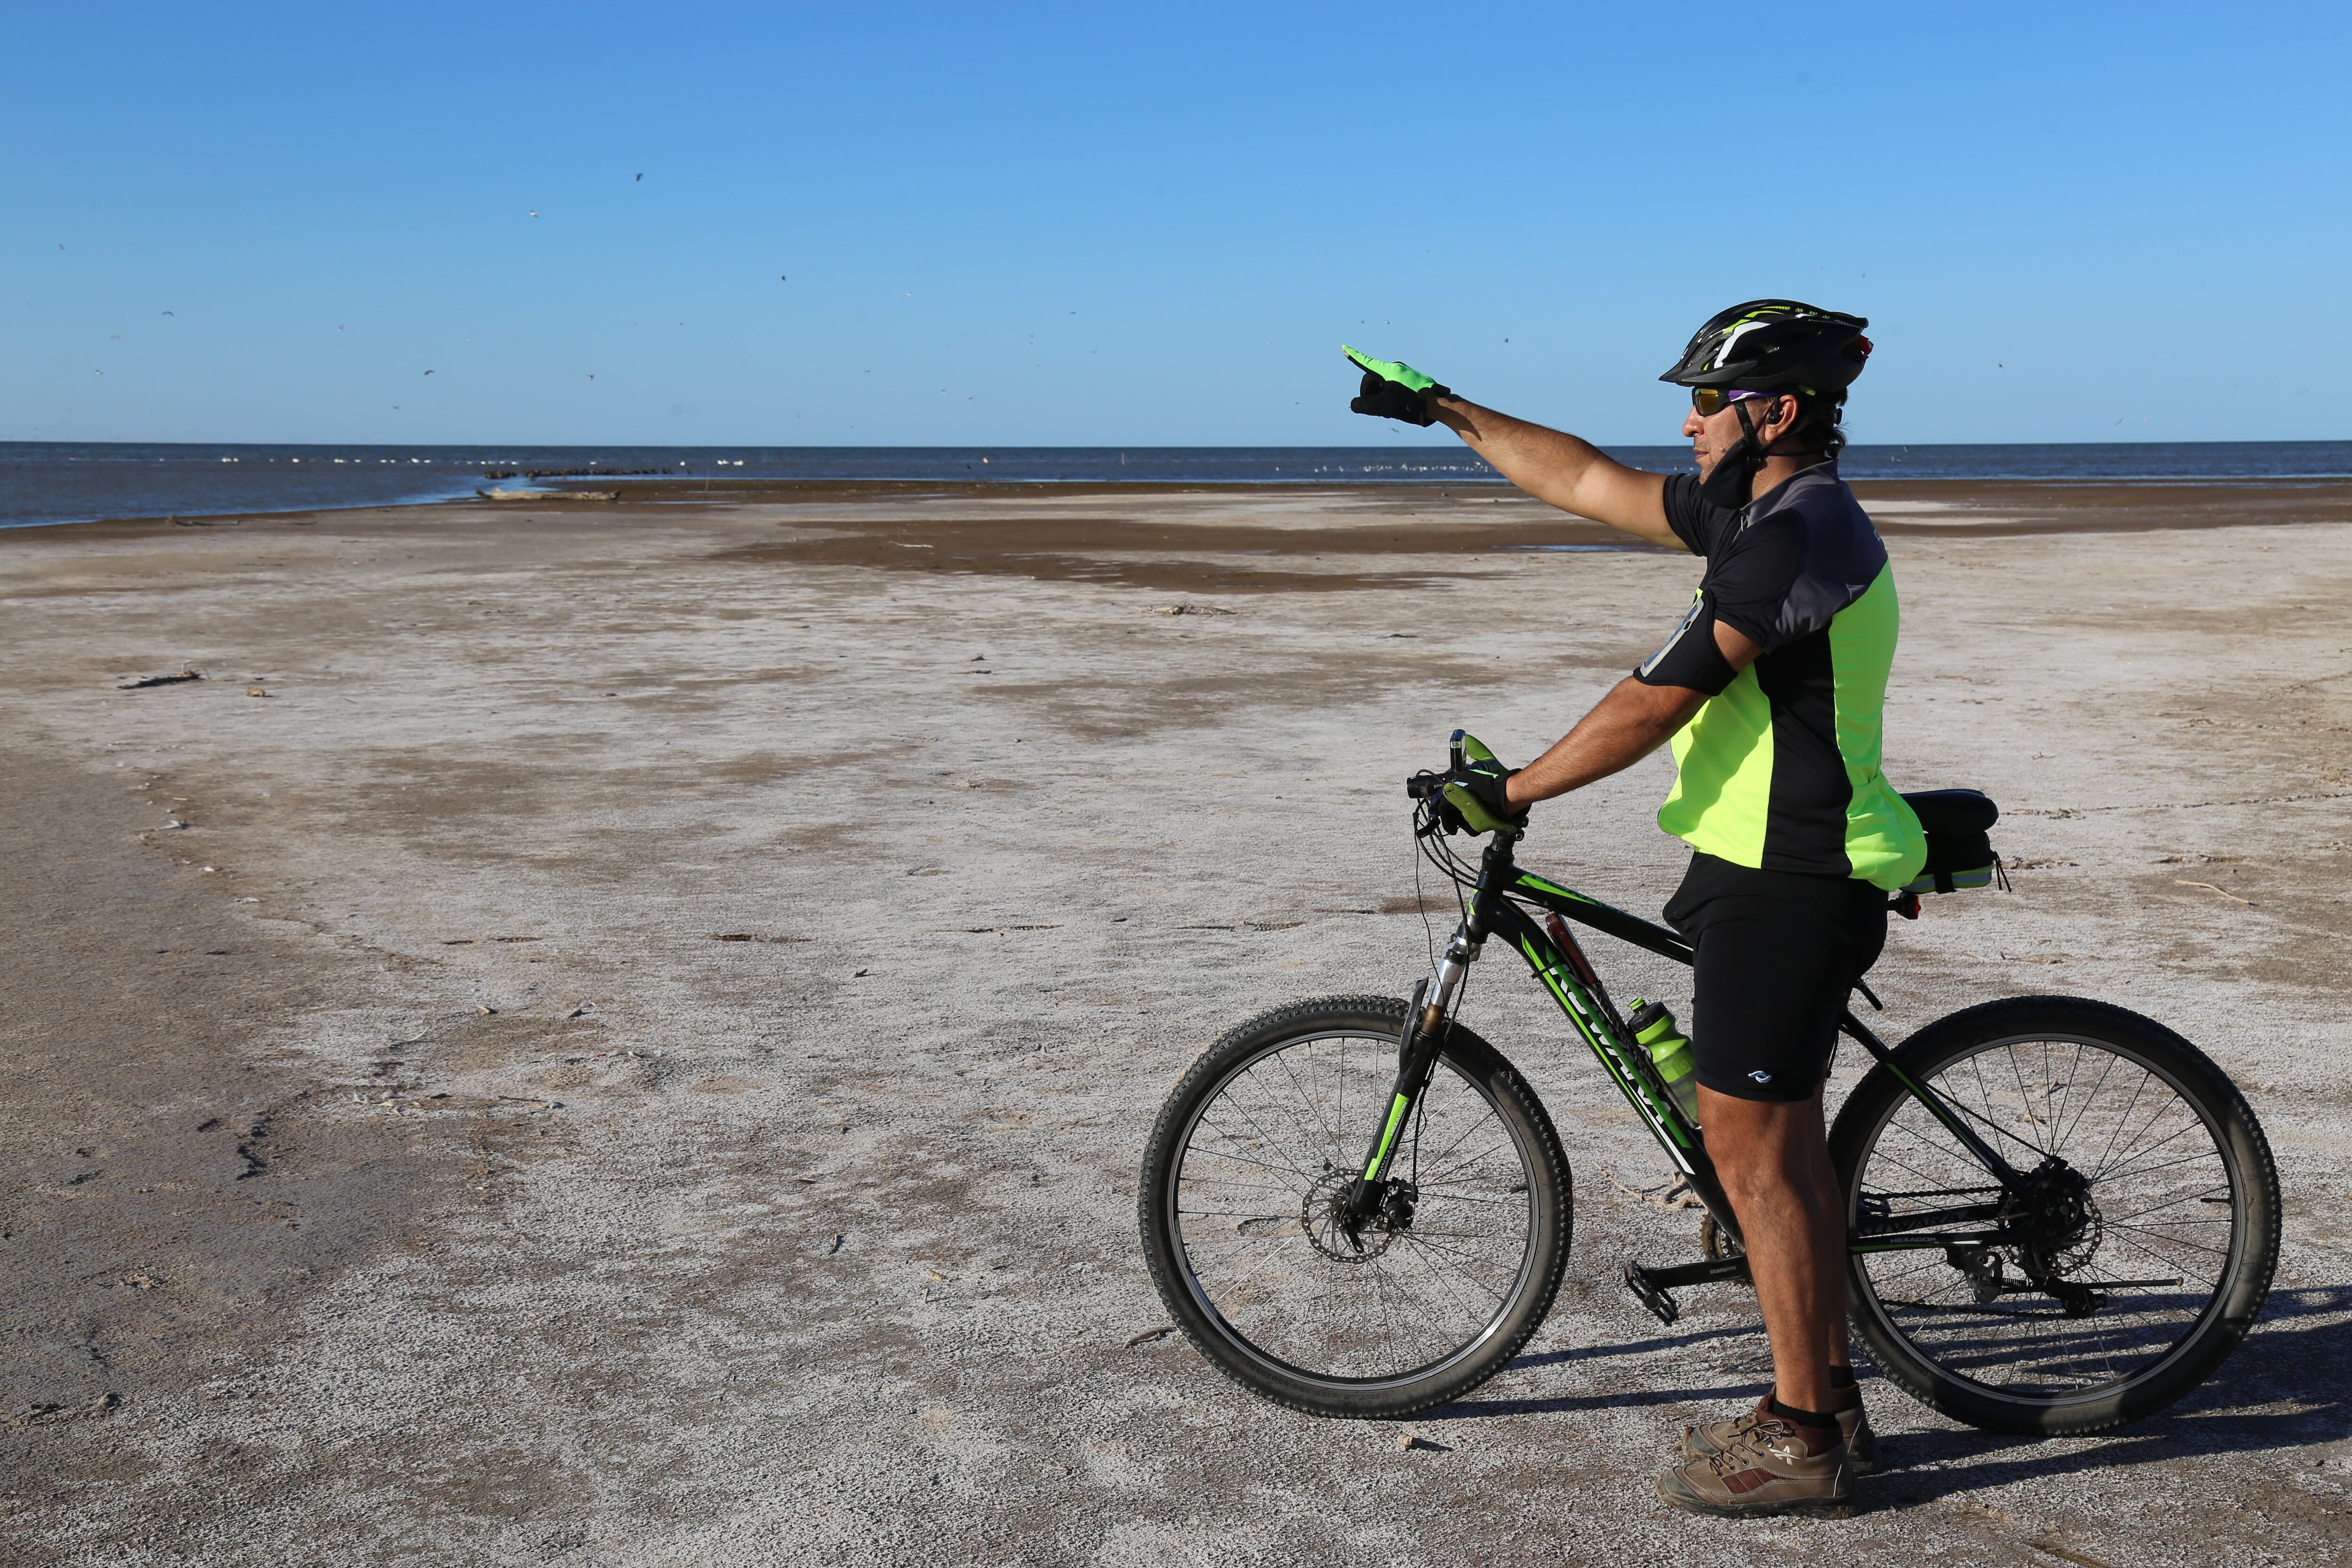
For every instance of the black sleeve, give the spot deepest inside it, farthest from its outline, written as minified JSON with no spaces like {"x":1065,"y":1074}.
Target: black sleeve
{"x":1749,"y":581}
{"x":1696,"y":523}
{"x":1690,"y":658}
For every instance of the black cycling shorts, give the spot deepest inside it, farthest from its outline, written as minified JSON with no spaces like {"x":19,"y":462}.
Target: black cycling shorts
{"x":1779,"y":952}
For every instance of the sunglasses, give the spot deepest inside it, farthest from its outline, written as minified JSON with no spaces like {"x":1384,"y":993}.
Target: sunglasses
{"x":1713,"y":400}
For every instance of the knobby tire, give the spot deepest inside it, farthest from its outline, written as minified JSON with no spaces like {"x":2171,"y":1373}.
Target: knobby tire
{"x":1172,"y":1235}
{"x":1880,"y":1142}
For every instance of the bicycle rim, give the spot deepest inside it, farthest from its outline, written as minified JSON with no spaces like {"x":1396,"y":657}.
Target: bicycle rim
{"x":1266,"y":1153}
{"x":2164,"y":1231}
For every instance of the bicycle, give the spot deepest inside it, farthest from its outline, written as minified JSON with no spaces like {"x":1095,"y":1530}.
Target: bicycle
{"x":2061,"y":1215}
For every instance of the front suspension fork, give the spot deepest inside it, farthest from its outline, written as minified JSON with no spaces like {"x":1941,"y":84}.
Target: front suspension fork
{"x":1425,"y":1026}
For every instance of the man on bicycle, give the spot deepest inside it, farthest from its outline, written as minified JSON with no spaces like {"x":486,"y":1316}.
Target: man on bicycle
{"x":1772,"y":690}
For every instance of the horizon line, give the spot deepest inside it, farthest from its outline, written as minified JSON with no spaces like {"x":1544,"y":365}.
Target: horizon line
{"x":1096,"y":447}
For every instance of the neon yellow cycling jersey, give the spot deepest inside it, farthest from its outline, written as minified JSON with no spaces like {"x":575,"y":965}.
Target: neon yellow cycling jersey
{"x":1779,"y":769}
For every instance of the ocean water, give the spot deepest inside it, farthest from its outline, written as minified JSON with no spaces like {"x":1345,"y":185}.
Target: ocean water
{"x":50,"y":482}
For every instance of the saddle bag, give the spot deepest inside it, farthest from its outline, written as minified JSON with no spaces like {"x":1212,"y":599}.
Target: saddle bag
{"x":1959,"y":852}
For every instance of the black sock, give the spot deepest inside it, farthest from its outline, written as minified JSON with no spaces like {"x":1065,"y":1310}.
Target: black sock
{"x":1841,"y":1377}
{"x":1815,"y":1418}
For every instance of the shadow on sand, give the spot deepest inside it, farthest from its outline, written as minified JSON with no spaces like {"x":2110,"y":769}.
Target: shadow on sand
{"x":2286,"y":1387}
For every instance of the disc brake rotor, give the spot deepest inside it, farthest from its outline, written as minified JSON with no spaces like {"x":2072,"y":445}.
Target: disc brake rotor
{"x":2064,"y":1220}
{"x":1326,"y":1201}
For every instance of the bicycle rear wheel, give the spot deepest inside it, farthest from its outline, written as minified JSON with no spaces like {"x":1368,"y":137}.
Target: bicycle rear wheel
{"x":1268,"y":1131}
{"x":2149,"y":1244}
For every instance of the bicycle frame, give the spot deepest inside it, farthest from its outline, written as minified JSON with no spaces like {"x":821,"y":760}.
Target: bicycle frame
{"x":1496,"y":909}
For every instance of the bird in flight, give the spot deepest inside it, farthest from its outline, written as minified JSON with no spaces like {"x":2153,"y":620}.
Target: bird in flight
{"x":428,"y":372}
{"x":167,"y":313}
{"x":641,"y":177}
{"x":534,"y":214}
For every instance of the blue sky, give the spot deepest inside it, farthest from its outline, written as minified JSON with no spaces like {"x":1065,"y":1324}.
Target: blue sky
{"x":1023,"y":224}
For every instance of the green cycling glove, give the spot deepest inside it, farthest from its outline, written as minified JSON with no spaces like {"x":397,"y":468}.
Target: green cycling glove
{"x":1393,"y":390}
{"x":1476,"y":791}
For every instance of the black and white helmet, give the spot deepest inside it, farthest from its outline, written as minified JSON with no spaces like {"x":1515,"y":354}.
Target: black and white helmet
{"x":1774,"y":345}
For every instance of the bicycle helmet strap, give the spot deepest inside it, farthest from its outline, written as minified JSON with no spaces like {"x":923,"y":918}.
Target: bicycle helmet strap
{"x":1728,"y":484}
{"x":1732,"y":483}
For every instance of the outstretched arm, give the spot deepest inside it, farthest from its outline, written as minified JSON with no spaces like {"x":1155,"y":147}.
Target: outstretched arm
{"x":1549,"y":465}
{"x":1565,"y":470}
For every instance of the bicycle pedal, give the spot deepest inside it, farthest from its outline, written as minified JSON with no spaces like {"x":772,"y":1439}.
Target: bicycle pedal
{"x":1661,"y":1305}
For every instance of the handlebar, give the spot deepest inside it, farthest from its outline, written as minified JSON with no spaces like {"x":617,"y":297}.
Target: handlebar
{"x":1424,"y":784}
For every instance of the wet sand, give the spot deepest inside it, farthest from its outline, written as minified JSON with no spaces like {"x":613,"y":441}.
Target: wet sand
{"x":639,"y":1049}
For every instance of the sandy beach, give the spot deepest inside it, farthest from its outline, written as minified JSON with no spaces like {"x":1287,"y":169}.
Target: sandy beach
{"x":623,"y":1032}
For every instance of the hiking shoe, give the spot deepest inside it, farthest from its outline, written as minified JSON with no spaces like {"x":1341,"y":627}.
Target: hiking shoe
{"x":1774,"y":1467}
{"x":1854,"y":1424}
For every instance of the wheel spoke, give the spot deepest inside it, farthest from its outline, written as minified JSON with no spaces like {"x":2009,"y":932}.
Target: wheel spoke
{"x":1437,"y":1161}
{"x":1395,"y":1299}
{"x":2140,"y":1149}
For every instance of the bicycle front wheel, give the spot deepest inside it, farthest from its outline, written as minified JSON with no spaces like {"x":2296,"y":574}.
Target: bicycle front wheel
{"x":1261,"y":1143}
{"x":2136,"y":1262}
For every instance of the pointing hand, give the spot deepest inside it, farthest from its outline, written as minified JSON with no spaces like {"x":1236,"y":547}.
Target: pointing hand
{"x":1393,"y":390}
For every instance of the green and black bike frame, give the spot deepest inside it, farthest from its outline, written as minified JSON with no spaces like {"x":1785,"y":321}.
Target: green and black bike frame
{"x":1498,"y":907}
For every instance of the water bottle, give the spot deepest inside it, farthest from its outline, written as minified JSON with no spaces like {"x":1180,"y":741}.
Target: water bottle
{"x":1670,"y":1053}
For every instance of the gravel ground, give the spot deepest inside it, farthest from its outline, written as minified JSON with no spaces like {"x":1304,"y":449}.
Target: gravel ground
{"x":636,"y":1049}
